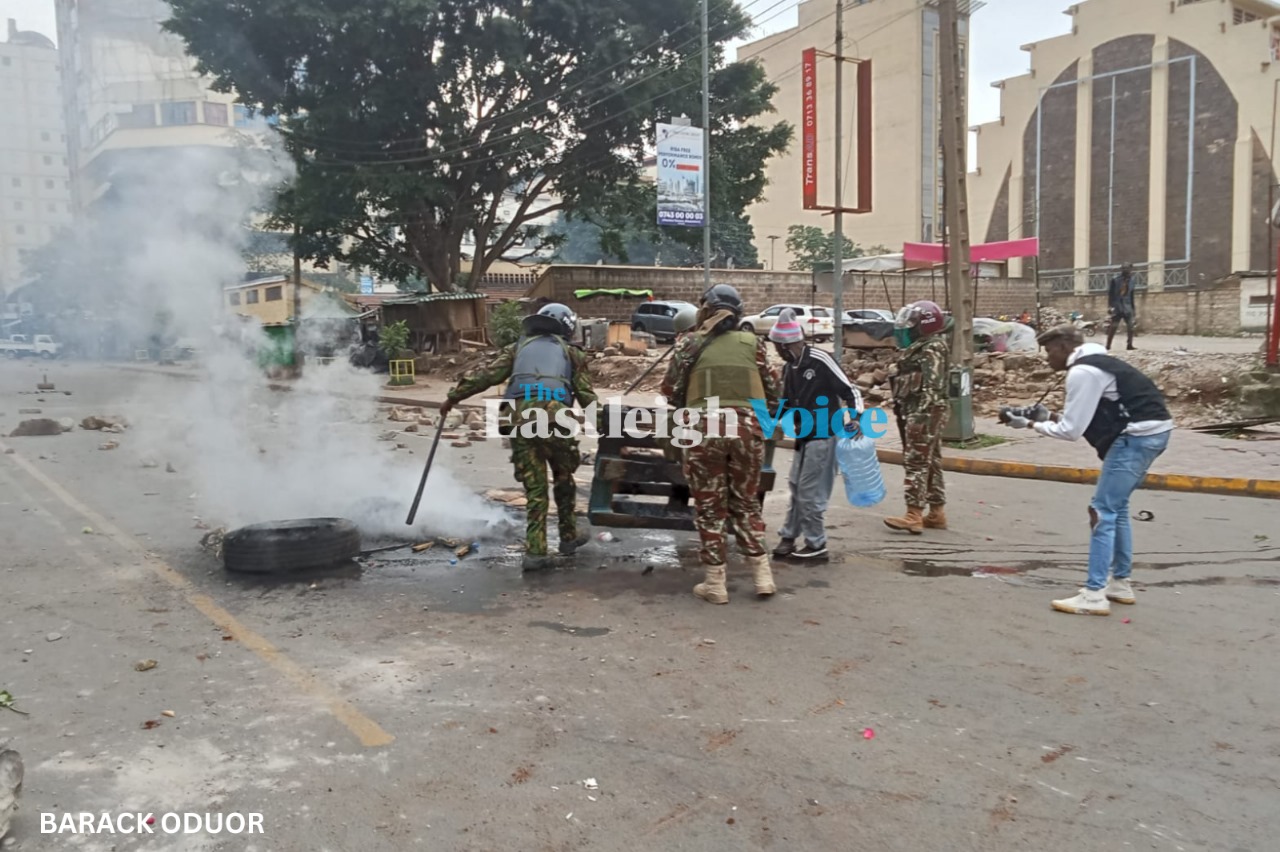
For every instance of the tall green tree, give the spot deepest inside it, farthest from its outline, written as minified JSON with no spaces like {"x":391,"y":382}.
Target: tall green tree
{"x":809,"y":247}
{"x":418,"y":126}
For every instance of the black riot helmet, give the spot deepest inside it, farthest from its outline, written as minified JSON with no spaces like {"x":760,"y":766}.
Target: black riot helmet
{"x":722,"y":297}
{"x":554,"y":318}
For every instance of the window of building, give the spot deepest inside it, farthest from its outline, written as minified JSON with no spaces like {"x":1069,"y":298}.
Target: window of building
{"x":275,"y":294}
{"x":142,"y":115}
{"x":48,"y":184}
{"x":47,"y":160}
{"x":51,"y":207}
{"x":234,"y":298}
{"x":17,"y":183}
{"x":20,"y":230}
{"x":1241,"y":16}
{"x":251,"y":297}
{"x":44,"y":137}
{"x":6,"y":61}
{"x":177,"y":113}
{"x":215,"y":114}
{"x":17,"y":205}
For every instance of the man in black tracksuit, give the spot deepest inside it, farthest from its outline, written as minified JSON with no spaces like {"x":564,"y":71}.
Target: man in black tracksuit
{"x":814,"y":382}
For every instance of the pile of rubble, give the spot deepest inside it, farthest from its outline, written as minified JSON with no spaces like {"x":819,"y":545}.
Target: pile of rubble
{"x":461,"y":429}
{"x":1201,"y":388}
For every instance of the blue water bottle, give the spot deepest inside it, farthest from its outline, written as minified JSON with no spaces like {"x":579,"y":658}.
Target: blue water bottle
{"x":860,"y":469}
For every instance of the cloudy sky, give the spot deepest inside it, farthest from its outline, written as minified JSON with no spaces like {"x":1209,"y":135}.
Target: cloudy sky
{"x":998,"y":31}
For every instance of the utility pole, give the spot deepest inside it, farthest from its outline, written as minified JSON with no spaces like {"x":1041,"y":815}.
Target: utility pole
{"x":837,"y":243}
{"x":706,"y":151}
{"x":954,"y":166}
{"x":297,"y":298}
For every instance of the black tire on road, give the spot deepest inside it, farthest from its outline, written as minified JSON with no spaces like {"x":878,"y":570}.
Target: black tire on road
{"x":283,"y":547}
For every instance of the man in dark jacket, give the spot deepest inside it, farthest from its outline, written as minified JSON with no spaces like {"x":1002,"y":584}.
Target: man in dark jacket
{"x":811,"y":381}
{"x":1123,"y":416}
{"x":1120,"y":303}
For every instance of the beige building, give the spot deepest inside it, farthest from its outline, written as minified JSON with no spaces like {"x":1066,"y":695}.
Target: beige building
{"x":35,"y":199}
{"x":130,"y":87}
{"x":1142,"y":136}
{"x":900,"y":37}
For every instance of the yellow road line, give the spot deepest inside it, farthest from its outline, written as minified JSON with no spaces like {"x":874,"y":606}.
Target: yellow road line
{"x":1265,"y":488}
{"x":367,"y":731}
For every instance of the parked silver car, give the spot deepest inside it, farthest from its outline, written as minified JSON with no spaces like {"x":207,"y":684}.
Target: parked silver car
{"x":659,"y":318}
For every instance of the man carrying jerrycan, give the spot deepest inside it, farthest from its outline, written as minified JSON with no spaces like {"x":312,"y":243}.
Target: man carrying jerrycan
{"x":812,"y":382}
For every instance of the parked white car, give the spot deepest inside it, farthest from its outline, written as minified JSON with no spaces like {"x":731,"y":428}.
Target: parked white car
{"x":815,"y":321}
{"x":42,"y":345}
{"x":868,"y":314}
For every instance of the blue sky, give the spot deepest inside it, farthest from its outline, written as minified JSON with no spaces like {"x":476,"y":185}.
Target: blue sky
{"x":999,"y":30}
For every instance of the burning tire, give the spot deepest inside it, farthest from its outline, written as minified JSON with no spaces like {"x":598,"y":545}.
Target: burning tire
{"x":283,"y":547}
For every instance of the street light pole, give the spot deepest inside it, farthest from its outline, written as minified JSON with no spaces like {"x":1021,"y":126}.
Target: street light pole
{"x":837,"y":243}
{"x":706,"y":150}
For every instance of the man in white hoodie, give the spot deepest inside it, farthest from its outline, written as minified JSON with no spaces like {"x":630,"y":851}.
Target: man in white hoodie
{"x":1122,"y":414}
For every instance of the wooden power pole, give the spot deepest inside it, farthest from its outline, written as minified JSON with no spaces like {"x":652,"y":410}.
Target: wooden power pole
{"x":954,"y":166}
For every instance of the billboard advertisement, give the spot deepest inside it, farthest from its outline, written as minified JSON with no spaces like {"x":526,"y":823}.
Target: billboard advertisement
{"x":809,"y":126}
{"x":680,"y":176}
{"x":366,"y":285}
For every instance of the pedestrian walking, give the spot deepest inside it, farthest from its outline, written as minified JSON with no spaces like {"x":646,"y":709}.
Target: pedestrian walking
{"x":812,"y":381}
{"x":920,"y":402}
{"x":1120,"y":304}
{"x":718,"y":362}
{"x":542,"y":371}
{"x":1124,"y":417}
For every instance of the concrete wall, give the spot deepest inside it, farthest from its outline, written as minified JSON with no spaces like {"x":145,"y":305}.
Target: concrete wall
{"x":1098,"y":212}
{"x":1211,"y":310}
{"x":760,"y":289}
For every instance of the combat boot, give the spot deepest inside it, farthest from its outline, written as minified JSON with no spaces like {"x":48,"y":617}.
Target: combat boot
{"x":570,"y":546}
{"x":536,"y":562}
{"x":912,"y":522}
{"x":712,"y":589}
{"x":937,"y":518}
{"x":762,"y":575}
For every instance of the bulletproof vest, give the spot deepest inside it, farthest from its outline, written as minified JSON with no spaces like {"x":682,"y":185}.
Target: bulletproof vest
{"x":1139,"y":400}
{"x":726,"y":368}
{"x":542,"y":363}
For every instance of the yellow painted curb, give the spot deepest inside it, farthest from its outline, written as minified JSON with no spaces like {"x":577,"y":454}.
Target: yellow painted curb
{"x":1265,"y":488}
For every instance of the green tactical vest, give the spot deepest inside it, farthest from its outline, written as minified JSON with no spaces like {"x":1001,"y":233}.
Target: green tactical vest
{"x":726,"y":368}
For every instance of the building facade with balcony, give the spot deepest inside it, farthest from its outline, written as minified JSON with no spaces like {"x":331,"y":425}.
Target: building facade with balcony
{"x":1143,"y":136}
{"x":35,"y":195}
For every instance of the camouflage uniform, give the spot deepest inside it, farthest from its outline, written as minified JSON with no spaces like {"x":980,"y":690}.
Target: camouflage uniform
{"x":723,"y":472}
{"x":532,"y":456}
{"x":920,"y":402}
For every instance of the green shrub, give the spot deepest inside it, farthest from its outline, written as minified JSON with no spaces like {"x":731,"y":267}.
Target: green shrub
{"x":394,"y":339}
{"x":505,"y":324}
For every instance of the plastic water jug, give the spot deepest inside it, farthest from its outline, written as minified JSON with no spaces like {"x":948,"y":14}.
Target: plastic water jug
{"x":863,"y":482}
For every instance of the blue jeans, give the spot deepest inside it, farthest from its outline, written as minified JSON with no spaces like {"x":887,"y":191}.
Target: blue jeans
{"x":1124,"y":468}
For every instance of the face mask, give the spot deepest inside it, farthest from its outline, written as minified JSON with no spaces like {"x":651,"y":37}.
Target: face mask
{"x":903,"y":337}
{"x":787,"y":355}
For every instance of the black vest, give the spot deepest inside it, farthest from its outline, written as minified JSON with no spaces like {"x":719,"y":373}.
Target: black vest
{"x":542,"y":368}
{"x":1140,"y":400}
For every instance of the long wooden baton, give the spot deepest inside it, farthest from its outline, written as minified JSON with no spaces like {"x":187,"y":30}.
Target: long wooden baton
{"x":417,"y":498}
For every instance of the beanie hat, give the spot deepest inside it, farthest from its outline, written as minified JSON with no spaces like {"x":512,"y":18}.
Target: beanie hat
{"x":786,"y":329}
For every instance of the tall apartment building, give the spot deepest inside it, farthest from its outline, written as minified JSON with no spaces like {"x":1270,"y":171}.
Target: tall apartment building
{"x":35,"y":197}
{"x":900,"y":37}
{"x":133,"y":99}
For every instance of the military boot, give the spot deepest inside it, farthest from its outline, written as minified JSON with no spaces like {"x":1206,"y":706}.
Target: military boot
{"x":762,"y":575}
{"x":912,"y":522}
{"x":712,"y":589}
{"x":569,"y":546}
{"x":937,"y":518}
{"x":533,"y":563}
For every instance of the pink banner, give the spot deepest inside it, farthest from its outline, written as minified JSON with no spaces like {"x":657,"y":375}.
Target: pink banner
{"x":984,"y":253}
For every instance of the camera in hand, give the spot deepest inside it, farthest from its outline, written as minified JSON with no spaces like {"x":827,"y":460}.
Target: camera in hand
{"x":1035,"y":413}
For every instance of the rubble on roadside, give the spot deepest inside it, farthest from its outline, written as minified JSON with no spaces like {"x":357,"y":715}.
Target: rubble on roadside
{"x":42,"y":427}
{"x":99,"y":423}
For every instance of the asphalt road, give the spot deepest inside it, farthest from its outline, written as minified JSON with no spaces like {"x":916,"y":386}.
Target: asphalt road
{"x":892,"y":700}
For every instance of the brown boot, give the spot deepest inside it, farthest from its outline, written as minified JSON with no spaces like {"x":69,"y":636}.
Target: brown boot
{"x":712,"y":589}
{"x":912,"y":522}
{"x":937,"y":518}
{"x":762,"y":574}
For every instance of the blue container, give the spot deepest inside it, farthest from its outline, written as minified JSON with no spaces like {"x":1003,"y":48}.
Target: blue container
{"x":863,"y":482}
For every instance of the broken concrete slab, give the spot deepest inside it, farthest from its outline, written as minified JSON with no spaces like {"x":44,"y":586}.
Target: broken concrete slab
{"x":40,"y":428}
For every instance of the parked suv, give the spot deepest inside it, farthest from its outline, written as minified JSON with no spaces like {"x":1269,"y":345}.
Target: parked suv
{"x":659,"y":318}
{"x":815,"y":321}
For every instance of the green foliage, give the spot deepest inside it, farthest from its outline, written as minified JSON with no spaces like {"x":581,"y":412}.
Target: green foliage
{"x":505,"y":324}
{"x":394,"y":338}
{"x":414,"y":124}
{"x":809,"y":247}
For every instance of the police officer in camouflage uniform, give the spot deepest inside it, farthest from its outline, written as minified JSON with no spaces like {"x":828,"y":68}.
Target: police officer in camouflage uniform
{"x":716,"y":361}
{"x":542,"y":371}
{"x":920,"y":401}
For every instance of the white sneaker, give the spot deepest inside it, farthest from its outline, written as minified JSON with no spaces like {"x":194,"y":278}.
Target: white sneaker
{"x":1085,"y":603}
{"x":1120,"y":591}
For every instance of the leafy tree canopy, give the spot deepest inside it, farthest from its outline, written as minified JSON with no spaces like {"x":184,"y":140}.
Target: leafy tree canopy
{"x":418,"y":126}
{"x":809,"y":246}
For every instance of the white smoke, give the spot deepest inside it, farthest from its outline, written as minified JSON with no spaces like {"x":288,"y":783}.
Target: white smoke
{"x":255,"y":453}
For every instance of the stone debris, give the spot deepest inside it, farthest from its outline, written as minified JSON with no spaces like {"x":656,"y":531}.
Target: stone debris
{"x":460,"y":444}
{"x":99,"y":423}
{"x":403,"y":414}
{"x":42,"y":427}
{"x":109,"y":445}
